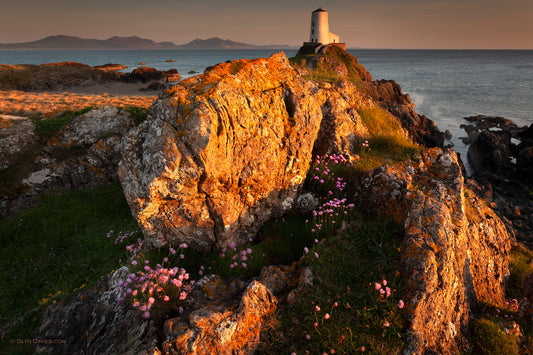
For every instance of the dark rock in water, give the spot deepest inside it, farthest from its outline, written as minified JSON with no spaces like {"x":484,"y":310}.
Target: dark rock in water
{"x":489,"y":154}
{"x":501,"y":156}
{"x":143,"y":75}
{"x":524,"y":163}
{"x":171,"y":75}
{"x":192,"y":72}
{"x":111,"y":67}
{"x":67,"y":64}
{"x":448,"y":135}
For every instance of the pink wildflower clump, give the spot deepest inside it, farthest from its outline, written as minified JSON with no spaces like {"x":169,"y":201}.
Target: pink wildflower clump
{"x":334,"y":205}
{"x":151,"y":287}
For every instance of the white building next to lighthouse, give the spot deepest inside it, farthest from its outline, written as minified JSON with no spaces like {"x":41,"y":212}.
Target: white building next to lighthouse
{"x":320,"y":28}
{"x":319,"y":37}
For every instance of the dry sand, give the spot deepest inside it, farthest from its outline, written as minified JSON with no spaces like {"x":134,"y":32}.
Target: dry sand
{"x":22,"y":103}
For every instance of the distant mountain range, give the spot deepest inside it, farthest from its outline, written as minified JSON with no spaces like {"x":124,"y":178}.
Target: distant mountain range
{"x":134,"y":42}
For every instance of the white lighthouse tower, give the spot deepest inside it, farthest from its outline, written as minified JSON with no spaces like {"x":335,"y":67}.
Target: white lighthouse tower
{"x":320,"y":28}
{"x":320,"y":39}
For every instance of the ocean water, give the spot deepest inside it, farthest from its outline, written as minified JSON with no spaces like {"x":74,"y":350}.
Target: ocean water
{"x":445,"y":85}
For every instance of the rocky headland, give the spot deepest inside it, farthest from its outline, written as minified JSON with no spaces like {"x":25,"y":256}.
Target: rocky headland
{"x":222,"y":153}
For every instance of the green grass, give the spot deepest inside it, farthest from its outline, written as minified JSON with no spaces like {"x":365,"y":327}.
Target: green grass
{"x":387,"y":141}
{"x":344,"y":272}
{"x":46,"y":128}
{"x":56,"y":248}
{"x":139,"y":114}
{"x":520,"y":268}
{"x":489,"y":338}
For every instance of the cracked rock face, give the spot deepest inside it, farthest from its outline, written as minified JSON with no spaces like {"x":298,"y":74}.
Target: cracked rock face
{"x":225,"y":151}
{"x":455,"y":250}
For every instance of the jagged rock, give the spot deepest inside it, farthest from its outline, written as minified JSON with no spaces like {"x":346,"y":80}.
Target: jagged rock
{"x":85,"y":154}
{"x":223,"y":152}
{"x":99,"y":135}
{"x":93,"y":323}
{"x":17,"y":135}
{"x":306,"y":203}
{"x":218,"y":330}
{"x":455,"y":251}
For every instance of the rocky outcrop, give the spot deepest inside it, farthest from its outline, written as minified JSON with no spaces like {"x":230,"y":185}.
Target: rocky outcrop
{"x":149,"y":74}
{"x":17,"y":135}
{"x":388,"y":94}
{"x":93,"y":323}
{"x":500,"y":154}
{"x":223,"y":152}
{"x":455,"y":251}
{"x":84,"y":154}
{"x":221,"y":317}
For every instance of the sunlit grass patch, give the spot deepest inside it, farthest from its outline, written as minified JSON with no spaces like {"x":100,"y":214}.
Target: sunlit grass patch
{"x":387,"y":141}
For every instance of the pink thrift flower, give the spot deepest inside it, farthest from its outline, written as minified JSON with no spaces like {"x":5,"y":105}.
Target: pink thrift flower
{"x":316,"y":255}
{"x":317,"y":308}
{"x":306,"y":250}
{"x":384,"y":282}
{"x":146,"y":314}
{"x":183,"y":295}
{"x":362,"y":349}
{"x":386,"y":324}
{"x":388,"y":291}
{"x":151,"y":300}
{"x":166,"y":298}
{"x":315,"y":324}
{"x":308,"y":337}
{"x":327,"y":316}
{"x":401,"y":304}
{"x":377,"y":286}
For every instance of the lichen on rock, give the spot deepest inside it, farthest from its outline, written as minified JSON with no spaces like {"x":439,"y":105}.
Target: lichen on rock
{"x":225,"y":151}
{"x":455,"y":250}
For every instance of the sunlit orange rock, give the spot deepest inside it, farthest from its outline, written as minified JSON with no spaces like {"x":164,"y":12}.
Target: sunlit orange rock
{"x":225,"y":151}
{"x":455,"y":250}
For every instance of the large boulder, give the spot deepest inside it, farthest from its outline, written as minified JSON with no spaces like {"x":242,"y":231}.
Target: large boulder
{"x":223,"y":152}
{"x":455,"y":251}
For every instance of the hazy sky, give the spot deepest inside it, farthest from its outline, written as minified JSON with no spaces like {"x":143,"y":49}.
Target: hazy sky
{"x":474,"y":24}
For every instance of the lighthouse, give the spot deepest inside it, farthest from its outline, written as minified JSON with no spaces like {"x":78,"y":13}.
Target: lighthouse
{"x":320,"y":39}
{"x":320,"y":28}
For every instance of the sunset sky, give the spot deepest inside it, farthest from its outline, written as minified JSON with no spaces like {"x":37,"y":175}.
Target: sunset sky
{"x":476,"y":24}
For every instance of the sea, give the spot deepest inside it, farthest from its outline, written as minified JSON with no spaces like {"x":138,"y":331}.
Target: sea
{"x":445,"y":85}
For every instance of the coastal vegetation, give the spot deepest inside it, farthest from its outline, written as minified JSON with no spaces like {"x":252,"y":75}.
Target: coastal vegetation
{"x":355,"y":304}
